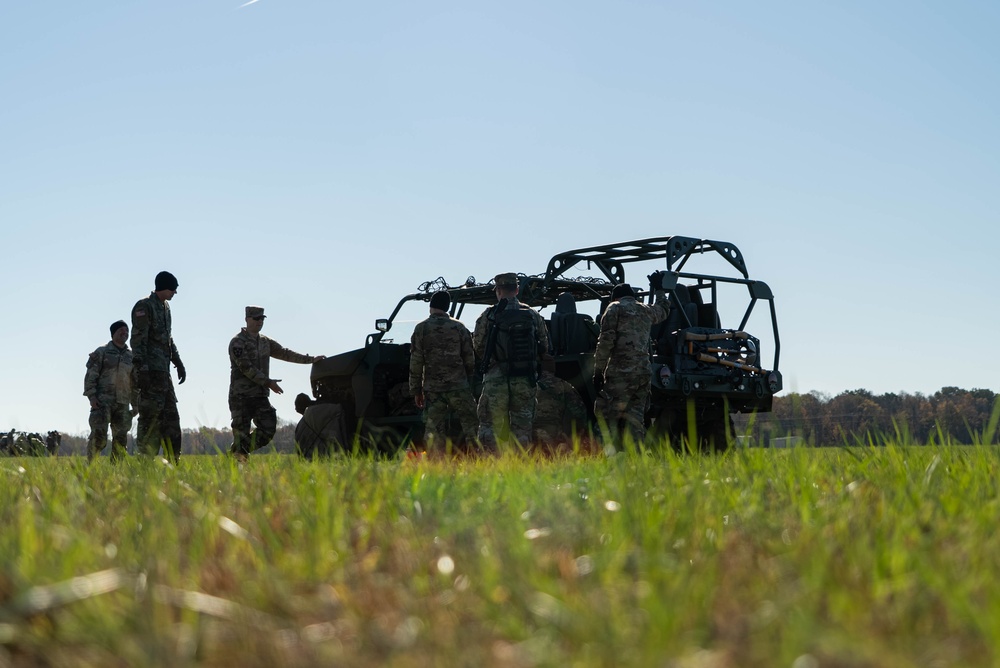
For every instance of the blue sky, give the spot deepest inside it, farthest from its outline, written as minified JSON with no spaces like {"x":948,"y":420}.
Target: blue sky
{"x":322,"y":159}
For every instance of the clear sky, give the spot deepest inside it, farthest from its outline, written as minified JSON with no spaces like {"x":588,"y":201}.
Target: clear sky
{"x":323,"y":158}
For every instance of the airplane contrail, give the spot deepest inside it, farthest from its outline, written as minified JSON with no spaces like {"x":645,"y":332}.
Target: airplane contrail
{"x":248,"y":3}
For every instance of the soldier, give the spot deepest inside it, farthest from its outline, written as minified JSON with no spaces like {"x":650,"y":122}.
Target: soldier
{"x":510,"y":339}
{"x":250,"y":354}
{"x":621,"y":362}
{"x":153,"y":351}
{"x":53,"y":439}
{"x":322,"y":428}
{"x":108,"y":385}
{"x":442,"y":364}
{"x":559,"y":411}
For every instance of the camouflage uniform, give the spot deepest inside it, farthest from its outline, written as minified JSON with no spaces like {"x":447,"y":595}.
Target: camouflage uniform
{"x":249,"y":380}
{"x":622,"y":356}
{"x":507,"y":404}
{"x":109,"y":379}
{"x":153,"y":350}
{"x":559,"y":410}
{"x":321,"y":430}
{"x":442,"y":363}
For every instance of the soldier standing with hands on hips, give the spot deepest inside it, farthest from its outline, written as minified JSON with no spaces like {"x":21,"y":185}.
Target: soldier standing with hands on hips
{"x":250,"y":384}
{"x":153,"y":351}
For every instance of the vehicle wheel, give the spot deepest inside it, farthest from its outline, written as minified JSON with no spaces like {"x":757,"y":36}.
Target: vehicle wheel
{"x":668,"y":428}
{"x":713,"y":435}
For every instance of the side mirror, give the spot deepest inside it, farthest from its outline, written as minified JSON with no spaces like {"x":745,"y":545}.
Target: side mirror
{"x":383,"y":325}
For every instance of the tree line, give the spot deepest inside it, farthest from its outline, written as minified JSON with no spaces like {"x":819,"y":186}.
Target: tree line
{"x":859,"y":417}
{"x":855,"y":417}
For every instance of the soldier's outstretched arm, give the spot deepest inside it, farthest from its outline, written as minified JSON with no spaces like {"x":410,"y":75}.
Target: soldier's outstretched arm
{"x":282,"y":353}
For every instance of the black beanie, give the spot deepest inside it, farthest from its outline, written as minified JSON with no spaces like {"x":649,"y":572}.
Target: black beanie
{"x":441,"y":299}
{"x":165,"y":281}
{"x":116,"y":325}
{"x":622,"y":290}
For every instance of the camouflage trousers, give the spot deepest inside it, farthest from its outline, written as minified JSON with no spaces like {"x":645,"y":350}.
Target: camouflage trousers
{"x":621,"y":404}
{"x":159,"y":422}
{"x":506,"y":410}
{"x":437,"y":406}
{"x":119,"y":417}
{"x":245,"y":410}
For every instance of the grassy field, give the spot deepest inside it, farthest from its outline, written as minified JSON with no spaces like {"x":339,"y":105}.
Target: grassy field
{"x":803,"y":557}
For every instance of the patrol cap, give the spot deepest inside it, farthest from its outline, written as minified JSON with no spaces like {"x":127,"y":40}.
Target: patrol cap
{"x":622,"y":290}
{"x":507,"y":280}
{"x":255,"y":312}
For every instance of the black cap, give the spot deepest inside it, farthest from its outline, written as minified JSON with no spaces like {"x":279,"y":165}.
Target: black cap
{"x":116,"y":325}
{"x":302,"y":402}
{"x":165,"y":281}
{"x":441,"y":300}
{"x":622,"y":290}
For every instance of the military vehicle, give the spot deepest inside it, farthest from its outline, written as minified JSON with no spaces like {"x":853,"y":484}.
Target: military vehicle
{"x":702,"y":372}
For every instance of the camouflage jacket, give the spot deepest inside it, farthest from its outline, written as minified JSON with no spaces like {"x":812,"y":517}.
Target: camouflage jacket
{"x":441,"y":356}
{"x":483,"y":330}
{"x":558,"y":406}
{"x":623,"y":345}
{"x":321,"y":425}
{"x":109,"y":375}
{"x":152,"y":346}
{"x":250,"y":363}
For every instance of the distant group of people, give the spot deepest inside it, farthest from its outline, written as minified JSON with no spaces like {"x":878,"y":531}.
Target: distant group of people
{"x":522,"y":400}
{"x":122,"y":382}
{"x":29,"y":444}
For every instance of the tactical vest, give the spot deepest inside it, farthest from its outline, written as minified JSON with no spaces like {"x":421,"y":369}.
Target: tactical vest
{"x":516,"y":343}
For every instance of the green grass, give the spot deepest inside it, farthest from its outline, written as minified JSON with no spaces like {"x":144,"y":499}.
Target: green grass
{"x":807,"y":557}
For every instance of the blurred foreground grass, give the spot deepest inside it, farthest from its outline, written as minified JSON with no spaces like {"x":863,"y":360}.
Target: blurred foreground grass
{"x":803,"y":557}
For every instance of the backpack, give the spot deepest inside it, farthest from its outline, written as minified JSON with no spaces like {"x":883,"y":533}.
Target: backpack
{"x":516,"y":343}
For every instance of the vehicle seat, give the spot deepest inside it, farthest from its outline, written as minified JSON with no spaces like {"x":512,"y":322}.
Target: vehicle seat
{"x":663,"y":334}
{"x":708,"y":316}
{"x":571,"y":332}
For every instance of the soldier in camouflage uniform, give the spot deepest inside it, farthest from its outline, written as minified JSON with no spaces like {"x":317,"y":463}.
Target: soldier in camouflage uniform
{"x":250,"y":384}
{"x":108,"y":385}
{"x":442,"y":364}
{"x":559,"y":411}
{"x":507,"y":404}
{"x":153,"y":351}
{"x":322,"y":430}
{"x":621,"y":361}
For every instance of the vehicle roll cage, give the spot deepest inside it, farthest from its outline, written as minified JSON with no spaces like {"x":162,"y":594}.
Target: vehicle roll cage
{"x":543,"y":290}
